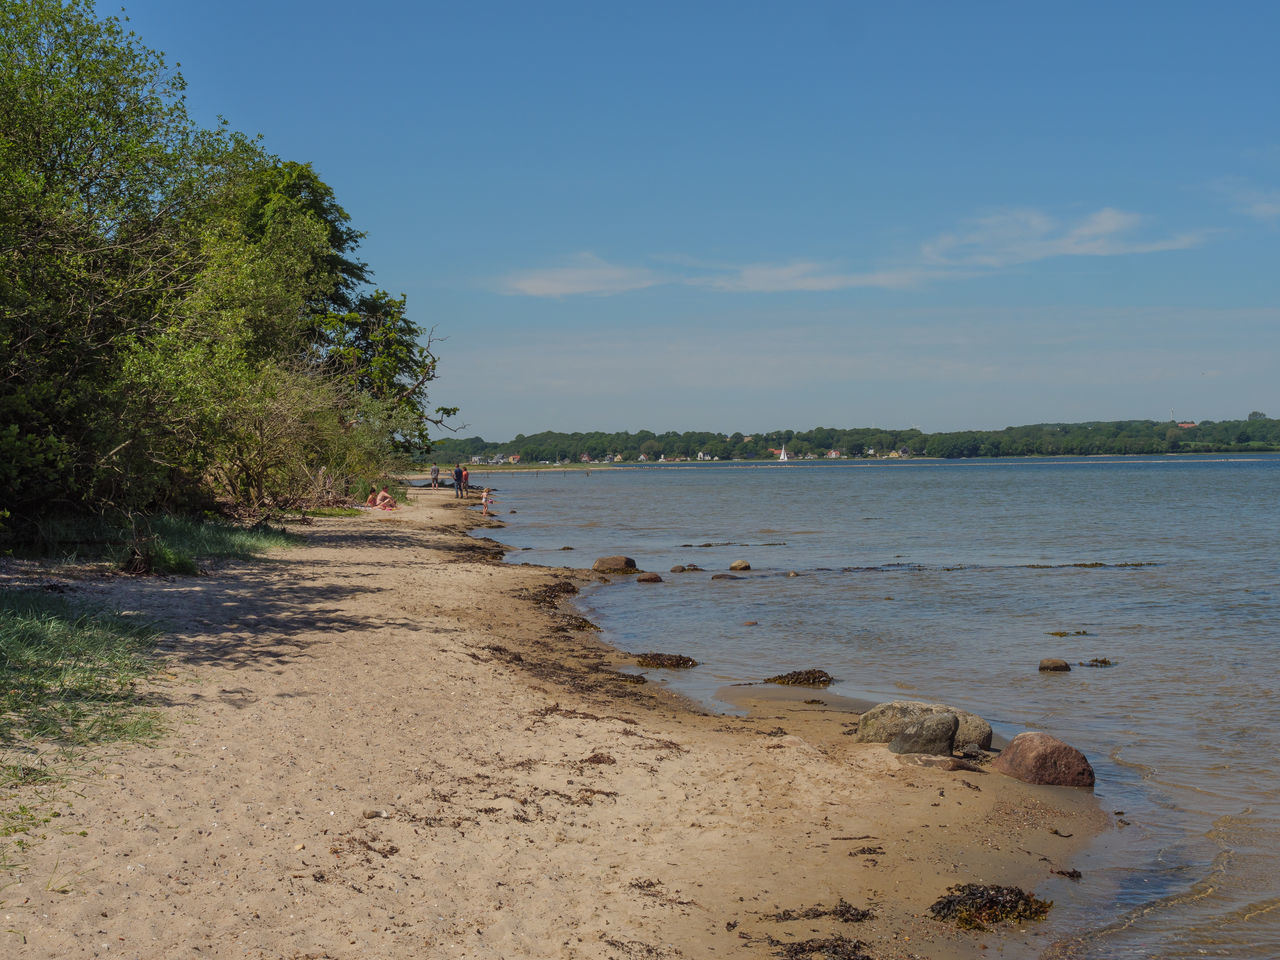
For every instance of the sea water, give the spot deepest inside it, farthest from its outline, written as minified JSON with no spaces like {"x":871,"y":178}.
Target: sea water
{"x":950,"y":581}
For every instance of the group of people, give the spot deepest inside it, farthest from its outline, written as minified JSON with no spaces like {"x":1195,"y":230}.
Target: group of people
{"x":462,"y":486}
{"x":380,"y":498}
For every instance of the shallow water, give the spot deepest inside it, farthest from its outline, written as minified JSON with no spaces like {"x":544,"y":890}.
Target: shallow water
{"x":946,"y":581}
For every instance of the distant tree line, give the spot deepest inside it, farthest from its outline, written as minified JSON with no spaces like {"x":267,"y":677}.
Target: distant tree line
{"x":184,"y":319}
{"x":1255,"y":433}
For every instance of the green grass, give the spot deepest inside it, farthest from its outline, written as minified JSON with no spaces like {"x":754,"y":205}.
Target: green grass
{"x":332,"y":512}
{"x":68,"y":677}
{"x":166,"y":544}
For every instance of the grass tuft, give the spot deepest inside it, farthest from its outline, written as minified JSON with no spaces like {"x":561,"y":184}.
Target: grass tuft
{"x":68,"y":676}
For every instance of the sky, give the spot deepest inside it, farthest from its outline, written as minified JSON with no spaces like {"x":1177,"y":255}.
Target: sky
{"x":747,"y":216}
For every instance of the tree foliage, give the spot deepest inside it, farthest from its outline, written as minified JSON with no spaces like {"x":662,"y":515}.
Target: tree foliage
{"x":1043,"y":439}
{"x":183,"y":317}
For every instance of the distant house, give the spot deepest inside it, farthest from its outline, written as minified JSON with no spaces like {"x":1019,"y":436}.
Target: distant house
{"x":617,"y":458}
{"x":585,"y":458}
{"x":514,"y":458}
{"x":476,"y":460}
{"x":833,"y":454}
{"x":1188,"y":425}
{"x":642,"y":458}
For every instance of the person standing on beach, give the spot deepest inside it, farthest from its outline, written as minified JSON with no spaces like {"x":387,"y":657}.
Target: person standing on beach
{"x":486,"y":501}
{"x":435,"y":476}
{"x":466,"y":481}
{"x":457,"y":481}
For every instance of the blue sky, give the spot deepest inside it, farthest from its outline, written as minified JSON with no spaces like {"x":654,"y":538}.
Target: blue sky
{"x":751,"y":216}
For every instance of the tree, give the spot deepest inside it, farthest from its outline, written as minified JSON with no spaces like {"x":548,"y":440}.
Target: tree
{"x":99,"y":167}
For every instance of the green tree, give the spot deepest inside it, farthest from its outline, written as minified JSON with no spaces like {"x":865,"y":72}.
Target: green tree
{"x":100,"y":168}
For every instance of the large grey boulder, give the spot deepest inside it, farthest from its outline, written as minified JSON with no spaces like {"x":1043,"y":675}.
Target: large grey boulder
{"x":935,"y":734}
{"x":617,"y":564}
{"x":1038,"y":758}
{"x":885,"y":721}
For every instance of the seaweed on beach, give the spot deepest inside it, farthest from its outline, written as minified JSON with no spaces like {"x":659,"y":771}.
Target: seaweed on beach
{"x":803,"y":678}
{"x":550,"y":595}
{"x":836,"y":947}
{"x":971,"y":906}
{"x":669,"y":661}
{"x":843,"y":911}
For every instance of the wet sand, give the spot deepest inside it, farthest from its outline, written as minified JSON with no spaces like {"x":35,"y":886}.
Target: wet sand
{"x":388,"y":743}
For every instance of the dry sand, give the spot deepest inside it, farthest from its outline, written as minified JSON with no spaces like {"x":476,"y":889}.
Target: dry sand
{"x":381,"y":744}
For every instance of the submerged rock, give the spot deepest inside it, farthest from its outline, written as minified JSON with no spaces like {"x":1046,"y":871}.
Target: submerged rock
{"x":724,"y":576}
{"x":883,"y":722}
{"x":1054,"y":665}
{"x":618,"y":564}
{"x":803,"y":678}
{"x":648,"y":578}
{"x":678,"y":568}
{"x":934,"y":734}
{"x":668,"y":661}
{"x":1038,"y":758}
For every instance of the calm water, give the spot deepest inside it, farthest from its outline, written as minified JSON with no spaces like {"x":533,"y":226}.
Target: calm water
{"x":944,"y":581}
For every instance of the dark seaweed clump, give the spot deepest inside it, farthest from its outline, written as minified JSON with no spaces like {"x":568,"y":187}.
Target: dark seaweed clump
{"x":971,"y":906}
{"x":1099,"y":662}
{"x":670,"y":661}
{"x":803,"y":678}
{"x":843,"y":911}
{"x":823,"y":948}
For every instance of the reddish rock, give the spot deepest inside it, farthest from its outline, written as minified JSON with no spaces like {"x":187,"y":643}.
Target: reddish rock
{"x":1054,"y":665}
{"x":648,"y":578}
{"x":1044,"y":760}
{"x":614,"y":565}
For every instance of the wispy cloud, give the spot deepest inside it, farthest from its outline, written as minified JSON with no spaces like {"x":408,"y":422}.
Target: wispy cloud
{"x":584,"y":274}
{"x":805,"y":275}
{"x":987,"y":244}
{"x":1024,"y":235}
{"x":1257,"y":202}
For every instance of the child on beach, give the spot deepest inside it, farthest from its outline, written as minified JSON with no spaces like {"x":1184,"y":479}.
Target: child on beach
{"x":486,"y":501}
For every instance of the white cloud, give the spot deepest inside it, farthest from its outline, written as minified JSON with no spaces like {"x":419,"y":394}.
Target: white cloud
{"x":805,"y":275}
{"x":585,"y":274}
{"x":1025,"y":235}
{"x":997,"y":241}
{"x":1259,"y":203}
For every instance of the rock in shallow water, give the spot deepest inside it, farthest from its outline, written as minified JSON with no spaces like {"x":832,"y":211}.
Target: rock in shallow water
{"x":648,"y":578}
{"x":1054,"y":665}
{"x":1040,"y":759}
{"x":618,"y":564}
{"x":739,"y":565}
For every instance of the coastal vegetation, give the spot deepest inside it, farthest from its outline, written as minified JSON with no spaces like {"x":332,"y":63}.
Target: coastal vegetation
{"x":1256,"y":433}
{"x":185,"y":322}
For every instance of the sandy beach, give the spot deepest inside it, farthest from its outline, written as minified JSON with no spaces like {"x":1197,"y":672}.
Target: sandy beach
{"x":389,"y":743}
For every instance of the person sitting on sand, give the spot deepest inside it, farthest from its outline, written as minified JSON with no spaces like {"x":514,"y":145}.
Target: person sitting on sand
{"x":486,"y":501}
{"x":385,"y":500}
{"x":372,"y":500}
